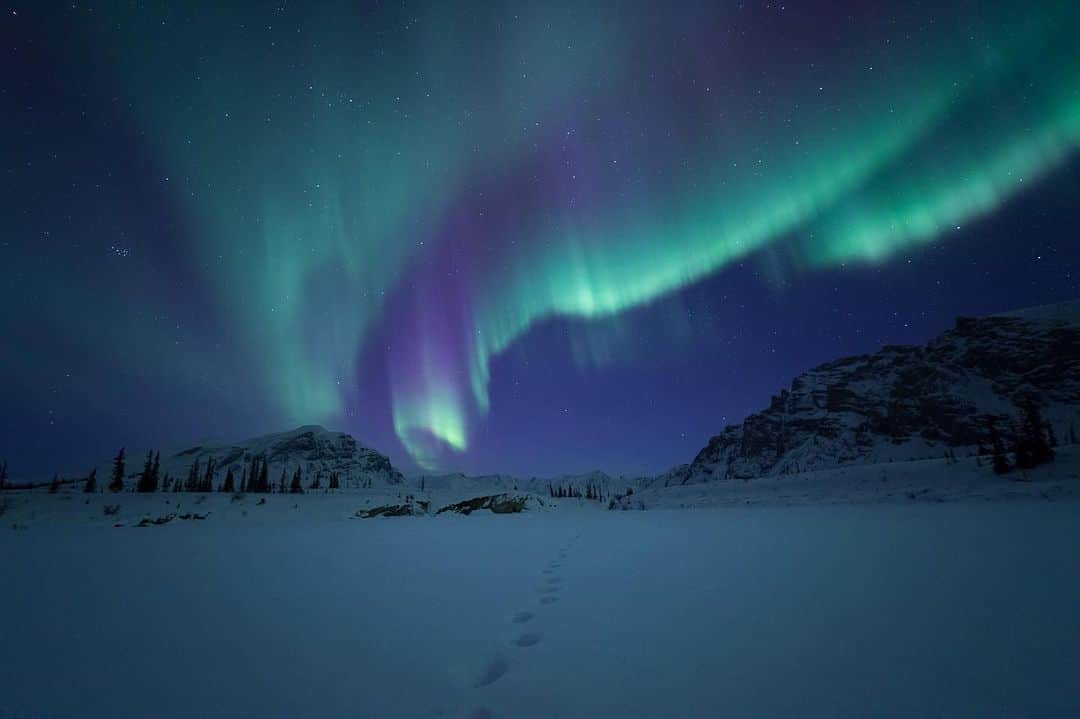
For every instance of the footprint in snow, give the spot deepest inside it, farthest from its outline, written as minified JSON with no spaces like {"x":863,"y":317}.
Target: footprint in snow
{"x":548,"y":599}
{"x":522,"y":617}
{"x":492,"y":673}
{"x":529,"y":639}
{"x":548,"y":589}
{"x":554,"y":580}
{"x":481,"y":713}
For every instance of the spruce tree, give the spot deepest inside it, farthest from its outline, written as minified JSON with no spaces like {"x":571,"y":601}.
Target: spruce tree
{"x":192,"y":482}
{"x":264,"y":477}
{"x":54,"y":486}
{"x":207,"y":484}
{"x":91,"y":482}
{"x":230,"y":482}
{"x":1000,"y":461}
{"x":155,"y":472}
{"x":296,"y":487}
{"x":1032,"y":447}
{"x":284,"y":481}
{"x":145,"y":483}
{"x":117,"y":483}
{"x":3,"y":475}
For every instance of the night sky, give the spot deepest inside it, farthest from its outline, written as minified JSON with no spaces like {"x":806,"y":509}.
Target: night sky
{"x":507,"y":237}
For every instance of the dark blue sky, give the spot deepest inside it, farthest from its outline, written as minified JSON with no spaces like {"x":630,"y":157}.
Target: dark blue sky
{"x":160,"y":285}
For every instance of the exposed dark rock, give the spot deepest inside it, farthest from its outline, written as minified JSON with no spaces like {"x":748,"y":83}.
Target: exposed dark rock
{"x":408,"y":509}
{"x":907,"y":402}
{"x":148,"y":522}
{"x":497,"y":503}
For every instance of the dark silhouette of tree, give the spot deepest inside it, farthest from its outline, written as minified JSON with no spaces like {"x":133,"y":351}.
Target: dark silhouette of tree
{"x":166,"y":483}
{"x":117,"y":483}
{"x":244,"y":481}
{"x":264,"y":477}
{"x":91,"y":482}
{"x":1032,"y":447}
{"x":296,"y":487}
{"x":155,"y":471}
{"x":207,"y":484}
{"x":147,"y":482}
{"x":1000,"y":459}
{"x":192,"y":482}
{"x":230,"y":482}
{"x":3,"y":475}
{"x":283,"y":484}
{"x":317,"y":482}
{"x":54,"y":486}
{"x":335,"y":481}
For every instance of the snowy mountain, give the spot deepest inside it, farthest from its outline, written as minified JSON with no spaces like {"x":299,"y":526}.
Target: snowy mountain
{"x":908,"y":402}
{"x":313,"y":448}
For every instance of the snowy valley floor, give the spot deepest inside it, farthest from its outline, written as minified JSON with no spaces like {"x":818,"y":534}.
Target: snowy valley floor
{"x":954,"y":609}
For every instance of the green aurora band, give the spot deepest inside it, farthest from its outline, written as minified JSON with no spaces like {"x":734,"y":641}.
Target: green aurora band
{"x":303,"y":150}
{"x":920,"y":164}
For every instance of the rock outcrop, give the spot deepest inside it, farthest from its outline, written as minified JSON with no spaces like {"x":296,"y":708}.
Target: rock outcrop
{"x":908,"y":402}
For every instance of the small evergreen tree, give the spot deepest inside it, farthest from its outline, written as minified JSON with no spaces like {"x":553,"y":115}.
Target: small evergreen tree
{"x":230,"y":482}
{"x":296,"y":487}
{"x":146,"y":481}
{"x":3,"y":475}
{"x":264,"y":477}
{"x":1032,"y":447}
{"x":54,"y":486}
{"x":117,"y":483}
{"x":207,"y":484}
{"x":192,"y":482}
{"x":91,"y":482}
{"x":283,"y":483}
{"x":155,"y":472}
{"x":317,"y":482}
{"x":244,"y":481}
{"x":1000,"y":461}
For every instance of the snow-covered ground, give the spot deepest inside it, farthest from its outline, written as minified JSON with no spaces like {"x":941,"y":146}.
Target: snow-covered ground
{"x":891,"y":606}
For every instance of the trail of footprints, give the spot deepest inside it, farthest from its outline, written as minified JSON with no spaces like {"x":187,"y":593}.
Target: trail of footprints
{"x":548,"y":591}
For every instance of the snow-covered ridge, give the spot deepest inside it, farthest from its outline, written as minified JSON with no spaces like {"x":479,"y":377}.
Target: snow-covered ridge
{"x":908,"y":402}
{"x":313,"y":448}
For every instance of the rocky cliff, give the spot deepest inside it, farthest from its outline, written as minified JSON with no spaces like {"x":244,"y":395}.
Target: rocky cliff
{"x":909,"y":402}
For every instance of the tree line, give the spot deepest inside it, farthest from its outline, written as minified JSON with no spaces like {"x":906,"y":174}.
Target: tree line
{"x":592,"y":491}
{"x":254,"y":478}
{"x":1032,"y":442}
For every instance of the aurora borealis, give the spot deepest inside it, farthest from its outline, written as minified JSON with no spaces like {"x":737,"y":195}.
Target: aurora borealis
{"x":512,"y":236}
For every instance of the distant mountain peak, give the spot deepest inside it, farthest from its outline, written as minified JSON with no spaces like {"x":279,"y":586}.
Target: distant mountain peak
{"x":311,"y":447}
{"x":908,"y":402}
